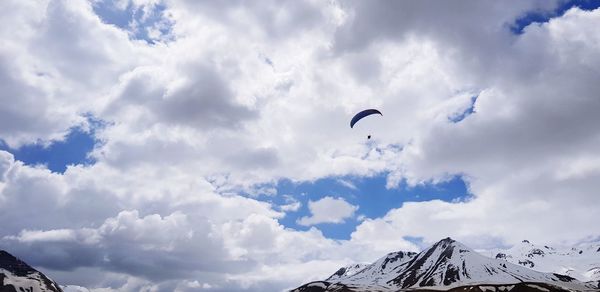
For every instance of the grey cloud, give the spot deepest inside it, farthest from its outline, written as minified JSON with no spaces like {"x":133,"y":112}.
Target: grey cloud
{"x":549,"y":113}
{"x":469,"y":34}
{"x":255,"y":158}
{"x":278,"y":19}
{"x":135,"y":245}
{"x":6,"y":161}
{"x":531,"y":147}
{"x":67,"y":34}
{"x":365,"y":66}
{"x":57,"y":60}
{"x":26,"y":113}
{"x":63,"y":256}
{"x":197,"y":97}
{"x":548,"y":116}
{"x":479,"y":23}
{"x":67,"y":225}
{"x":36,"y":198}
{"x":181,"y":264}
{"x":205,"y":101}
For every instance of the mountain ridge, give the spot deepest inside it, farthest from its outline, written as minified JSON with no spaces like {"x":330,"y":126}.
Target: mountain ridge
{"x":581,"y":261}
{"x":446,"y":265}
{"x":16,"y":275}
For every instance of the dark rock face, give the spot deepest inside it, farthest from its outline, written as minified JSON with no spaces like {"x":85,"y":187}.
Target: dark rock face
{"x":564,"y":278}
{"x":411,"y":275}
{"x":397,"y":256}
{"x":451,"y":275}
{"x":7,"y":288}
{"x":340,"y":272}
{"x":519,"y":287}
{"x":536,"y":251}
{"x":527,"y":263}
{"x":323,"y":286}
{"x":317,"y":286}
{"x":19,"y":268}
{"x":501,"y":256}
{"x":343,"y":272}
{"x":14,"y":265}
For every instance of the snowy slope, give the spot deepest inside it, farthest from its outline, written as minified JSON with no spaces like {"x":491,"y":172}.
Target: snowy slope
{"x":449,"y":263}
{"x":16,"y":275}
{"x":445,"y":265}
{"x":379,"y":272}
{"x":346,"y":271}
{"x":581,"y":262}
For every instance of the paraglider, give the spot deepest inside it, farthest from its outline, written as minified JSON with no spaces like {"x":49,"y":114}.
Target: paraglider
{"x":363,"y":114}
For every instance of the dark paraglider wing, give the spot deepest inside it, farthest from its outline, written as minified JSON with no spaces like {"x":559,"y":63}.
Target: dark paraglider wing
{"x":363,"y":114}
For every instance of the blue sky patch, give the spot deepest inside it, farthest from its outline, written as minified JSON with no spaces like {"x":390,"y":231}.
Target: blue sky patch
{"x":73,"y":150}
{"x":467,"y":112}
{"x":544,"y":16}
{"x":369,"y":193}
{"x":133,"y":20}
{"x":111,"y":14}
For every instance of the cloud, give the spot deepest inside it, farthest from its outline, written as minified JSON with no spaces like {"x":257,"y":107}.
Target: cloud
{"x":51,"y":235}
{"x":6,"y":161}
{"x":367,"y":24}
{"x":272,"y":19}
{"x":347,"y":183}
{"x":194,"y":123}
{"x":521,"y":152}
{"x":292,"y":205}
{"x":197,"y":97}
{"x":328,"y":210}
{"x":225,"y":240}
{"x":54,"y":66}
{"x":189,"y":124}
{"x":128,"y":242}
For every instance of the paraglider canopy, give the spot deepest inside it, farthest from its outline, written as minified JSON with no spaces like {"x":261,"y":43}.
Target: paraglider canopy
{"x":363,"y":114}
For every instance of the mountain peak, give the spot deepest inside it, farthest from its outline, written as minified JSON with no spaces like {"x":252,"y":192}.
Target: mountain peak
{"x":449,"y":243}
{"x":447,"y":263}
{"x":441,"y":264}
{"x":14,"y":265}
{"x":384,"y":268}
{"x":16,"y":275}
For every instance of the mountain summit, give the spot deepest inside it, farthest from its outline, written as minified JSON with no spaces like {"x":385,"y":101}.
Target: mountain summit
{"x":445,"y":265}
{"x":581,"y":261}
{"x":16,"y":275}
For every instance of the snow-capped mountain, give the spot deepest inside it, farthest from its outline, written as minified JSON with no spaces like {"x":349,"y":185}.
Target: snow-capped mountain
{"x":346,"y":271}
{"x":381,"y":271}
{"x":445,"y":265}
{"x":16,"y":275}
{"x":581,"y":262}
{"x":449,"y":263}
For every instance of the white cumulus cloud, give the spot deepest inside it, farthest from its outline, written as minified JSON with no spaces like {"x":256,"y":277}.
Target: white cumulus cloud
{"x":328,"y":210}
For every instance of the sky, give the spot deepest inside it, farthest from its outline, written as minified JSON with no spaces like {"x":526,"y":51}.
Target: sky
{"x":178,"y":145}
